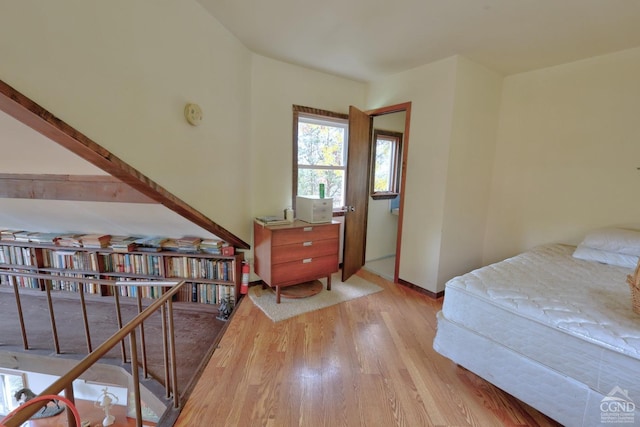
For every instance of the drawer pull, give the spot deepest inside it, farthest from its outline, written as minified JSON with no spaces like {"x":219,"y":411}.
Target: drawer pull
{"x":306,"y":260}
{"x":307,"y":229}
{"x":307,"y":244}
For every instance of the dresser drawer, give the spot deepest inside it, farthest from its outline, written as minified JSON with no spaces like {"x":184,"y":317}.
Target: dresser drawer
{"x":312,"y":232}
{"x":291,"y":273}
{"x":301,"y":250}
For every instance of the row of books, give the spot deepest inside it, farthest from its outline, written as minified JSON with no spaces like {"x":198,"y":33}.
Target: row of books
{"x":70,"y":260}
{"x":200,"y":268}
{"x":204,"y":293}
{"x":133,"y":263}
{"x":212,"y":294}
{"x":147,"y":265}
{"x":144,"y":291}
{"x":71,"y":286}
{"x":210,"y":278}
{"x":187,"y":244}
{"x":17,"y":255}
{"x":23,"y":282}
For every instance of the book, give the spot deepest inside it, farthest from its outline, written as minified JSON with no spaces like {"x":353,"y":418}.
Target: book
{"x":169,"y":245}
{"x":189,"y":244}
{"x":212,"y":246}
{"x":37,"y":237}
{"x":95,"y":240}
{"x":272,"y":220}
{"x":9,"y":234}
{"x":69,"y":240}
{"x":22,"y":236}
{"x":123,"y":243}
{"x":189,"y":240}
{"x":150,"y":244}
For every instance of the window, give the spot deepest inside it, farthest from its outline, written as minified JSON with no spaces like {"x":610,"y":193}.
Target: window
{"x":386,"y":164}
{"x":320,"y":153}
{"x":10,"y":383}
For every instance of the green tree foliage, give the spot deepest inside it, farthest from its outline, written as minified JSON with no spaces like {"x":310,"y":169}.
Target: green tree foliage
{"x":320,"y":160}
{"x":383,"y":165}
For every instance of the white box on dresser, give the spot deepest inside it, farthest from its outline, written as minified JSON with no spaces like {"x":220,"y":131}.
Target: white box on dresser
{"x":314,"y":209}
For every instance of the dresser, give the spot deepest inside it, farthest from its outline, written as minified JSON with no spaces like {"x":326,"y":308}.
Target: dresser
{"x":295,"y":253}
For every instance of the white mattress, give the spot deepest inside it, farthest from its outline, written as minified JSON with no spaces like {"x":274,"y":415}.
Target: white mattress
{"x":562,"y":398}
{"x":570,"y":316}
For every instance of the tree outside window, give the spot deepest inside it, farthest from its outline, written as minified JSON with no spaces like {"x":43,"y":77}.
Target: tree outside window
{"x":386,"y":165}
{"x":320,"y":147}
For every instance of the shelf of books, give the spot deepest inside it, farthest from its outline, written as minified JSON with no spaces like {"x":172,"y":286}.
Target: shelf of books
{"x":212,"y":269}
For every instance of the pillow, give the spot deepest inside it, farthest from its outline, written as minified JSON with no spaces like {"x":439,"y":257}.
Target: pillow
{"x":612,"y":258}
{"x":616,"y":240}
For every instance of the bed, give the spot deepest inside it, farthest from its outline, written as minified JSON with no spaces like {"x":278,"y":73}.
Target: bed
{"x":553,"y":328}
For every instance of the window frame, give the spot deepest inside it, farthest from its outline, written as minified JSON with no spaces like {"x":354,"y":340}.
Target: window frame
{"x":9,"y":399}
{"x":324,"y":115}
{"x":396,"y":164}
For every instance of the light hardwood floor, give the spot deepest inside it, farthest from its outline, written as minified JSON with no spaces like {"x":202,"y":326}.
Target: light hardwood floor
{"x":366,"y":362}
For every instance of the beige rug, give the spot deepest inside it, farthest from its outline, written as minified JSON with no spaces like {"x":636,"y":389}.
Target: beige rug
{"x":354,"y":287}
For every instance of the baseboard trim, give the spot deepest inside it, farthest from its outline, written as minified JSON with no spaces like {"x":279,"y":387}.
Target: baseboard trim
{"x":430,"y":294}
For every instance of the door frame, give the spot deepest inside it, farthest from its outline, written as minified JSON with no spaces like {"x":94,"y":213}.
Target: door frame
{"x":397,"y":108}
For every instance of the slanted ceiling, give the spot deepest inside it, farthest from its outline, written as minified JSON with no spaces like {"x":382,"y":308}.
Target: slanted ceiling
{"x":102,"y":194}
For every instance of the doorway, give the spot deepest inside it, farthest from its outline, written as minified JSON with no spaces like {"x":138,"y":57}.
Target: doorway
{"x":383,"y":213}
{"x":358,"y":193}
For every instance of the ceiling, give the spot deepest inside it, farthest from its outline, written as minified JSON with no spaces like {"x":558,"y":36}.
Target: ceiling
{"x":368,"y":39}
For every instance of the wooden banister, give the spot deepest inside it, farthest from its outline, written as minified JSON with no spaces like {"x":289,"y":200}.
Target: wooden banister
{"x":127,"y":330}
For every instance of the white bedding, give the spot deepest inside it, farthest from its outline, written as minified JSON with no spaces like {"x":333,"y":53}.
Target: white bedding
{"x":568,"y":317}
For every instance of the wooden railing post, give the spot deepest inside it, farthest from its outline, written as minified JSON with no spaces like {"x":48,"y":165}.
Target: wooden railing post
{"x":52,"y":317}
{"x":165,"y":350}
{"x":136,"y":377}
{"x":172,"y":346}
{"x":65,"y":382}
{"x":116,"y":297}
{"x":68,"y":393}
{"x":20,"y":315}
{"x":143,"y":344}
{"x":85,"y":319}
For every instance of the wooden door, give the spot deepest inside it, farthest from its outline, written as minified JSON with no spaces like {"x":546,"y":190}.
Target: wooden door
{"x":357,"y":192}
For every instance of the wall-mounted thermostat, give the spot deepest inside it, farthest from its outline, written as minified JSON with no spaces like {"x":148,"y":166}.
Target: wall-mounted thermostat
{"x":193,"y":114}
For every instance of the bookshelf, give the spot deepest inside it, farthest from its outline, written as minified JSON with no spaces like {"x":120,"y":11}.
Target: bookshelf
{"x":209,"y":277}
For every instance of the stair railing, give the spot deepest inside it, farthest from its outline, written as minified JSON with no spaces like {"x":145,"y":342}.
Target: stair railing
{"x":65,"y":382}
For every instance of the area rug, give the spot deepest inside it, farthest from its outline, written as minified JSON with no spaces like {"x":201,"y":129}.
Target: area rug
{"x":354,"y":287}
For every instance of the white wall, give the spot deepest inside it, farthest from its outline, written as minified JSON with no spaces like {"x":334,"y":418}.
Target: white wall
{"x":275,"y":88}
{"x":568,"y":149}
{"x":121,"y":72}
{"x":472,"y":149}
{"x":430,"y":89}
{"x":455,"y":105}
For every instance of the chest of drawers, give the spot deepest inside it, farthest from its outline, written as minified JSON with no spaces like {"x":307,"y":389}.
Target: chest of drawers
{"x":295,"y":253}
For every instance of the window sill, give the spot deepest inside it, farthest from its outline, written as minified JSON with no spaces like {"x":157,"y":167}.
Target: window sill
{"x":384,"y":195}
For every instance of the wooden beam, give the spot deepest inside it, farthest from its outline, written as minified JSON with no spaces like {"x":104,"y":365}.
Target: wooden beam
{"x":33,"y":115}
{"x":91,"y":188}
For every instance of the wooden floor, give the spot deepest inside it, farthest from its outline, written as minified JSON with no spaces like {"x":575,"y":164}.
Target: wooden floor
{"x":365,"y":362}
